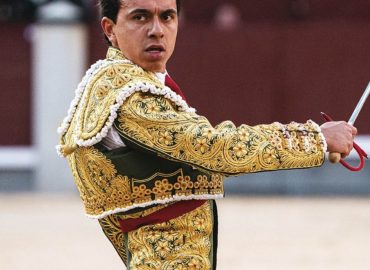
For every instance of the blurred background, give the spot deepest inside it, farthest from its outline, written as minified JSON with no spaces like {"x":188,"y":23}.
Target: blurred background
{"x":255,"y":61}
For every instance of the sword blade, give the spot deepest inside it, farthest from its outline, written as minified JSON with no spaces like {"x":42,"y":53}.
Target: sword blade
{"x":359,"y":106}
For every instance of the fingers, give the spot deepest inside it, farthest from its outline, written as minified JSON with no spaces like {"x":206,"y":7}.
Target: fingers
{"x":346,"y":153}
{"x":349,"y":145}
{"x":353,"y":131}
{"x":339,"y":136}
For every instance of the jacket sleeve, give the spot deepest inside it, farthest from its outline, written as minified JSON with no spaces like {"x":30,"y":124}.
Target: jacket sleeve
{"x":154,"y":123}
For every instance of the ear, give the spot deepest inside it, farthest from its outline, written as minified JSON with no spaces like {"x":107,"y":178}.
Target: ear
{"x":108,"y":27}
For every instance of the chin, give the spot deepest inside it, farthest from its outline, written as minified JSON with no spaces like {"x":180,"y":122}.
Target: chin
{"x":154,"y":67}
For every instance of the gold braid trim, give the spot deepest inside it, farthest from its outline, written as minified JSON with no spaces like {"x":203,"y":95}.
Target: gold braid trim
{"x":153,"y":122}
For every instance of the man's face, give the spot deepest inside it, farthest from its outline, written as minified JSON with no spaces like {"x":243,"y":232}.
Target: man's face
{"x":146,"y":32}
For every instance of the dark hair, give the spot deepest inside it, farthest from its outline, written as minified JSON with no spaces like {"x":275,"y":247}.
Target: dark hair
{"x":110,"y":8}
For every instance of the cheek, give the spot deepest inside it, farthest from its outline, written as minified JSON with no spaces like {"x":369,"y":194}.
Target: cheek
{"x":173,"y":32}
{"x":172,"y":38}
{"x":131,"y":38}
{"x":125,"y":43}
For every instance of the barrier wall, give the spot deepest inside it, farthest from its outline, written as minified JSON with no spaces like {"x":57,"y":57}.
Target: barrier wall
{"x":264,"y":72}
{"x":273,"y":67}
{"x":15,"y":78}
{"x":277,"y":65}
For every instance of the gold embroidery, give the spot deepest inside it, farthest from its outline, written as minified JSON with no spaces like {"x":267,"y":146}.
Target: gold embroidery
{"x":114,"y":53}
{"x":102,"y":189}
{"x":156,"y":124}
{"x":225,"y":149}
{"x":180,"y":243}
{"x":102,"y":92}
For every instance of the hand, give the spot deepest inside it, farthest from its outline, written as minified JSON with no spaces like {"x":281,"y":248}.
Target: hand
{"x":339,"y":136}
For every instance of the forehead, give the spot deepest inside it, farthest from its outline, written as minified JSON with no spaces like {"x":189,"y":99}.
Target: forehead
{"x":148,"y":4}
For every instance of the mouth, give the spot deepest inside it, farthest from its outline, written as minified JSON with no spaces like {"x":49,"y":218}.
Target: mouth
{"x":155,"y":49}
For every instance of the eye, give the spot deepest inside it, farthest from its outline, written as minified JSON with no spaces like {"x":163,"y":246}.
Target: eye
{"x":140,"y":17}
{"x":168,"y":16}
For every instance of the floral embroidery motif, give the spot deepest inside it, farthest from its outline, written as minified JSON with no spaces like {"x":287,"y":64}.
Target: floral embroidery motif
{"x":240,"y":149}
{"x":201,"y":145}
{"x":180,"y":243}
{"x":165,"y":138}
{"x":101,"y":91}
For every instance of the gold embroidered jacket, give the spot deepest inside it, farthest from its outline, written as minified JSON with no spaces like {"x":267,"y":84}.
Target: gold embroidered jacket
{"x":171,"y":152}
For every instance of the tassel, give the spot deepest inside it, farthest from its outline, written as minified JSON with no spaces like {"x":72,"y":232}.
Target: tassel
{"x":67,"y":150}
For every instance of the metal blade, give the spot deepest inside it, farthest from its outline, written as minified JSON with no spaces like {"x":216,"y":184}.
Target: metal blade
{"x":359,"y":106}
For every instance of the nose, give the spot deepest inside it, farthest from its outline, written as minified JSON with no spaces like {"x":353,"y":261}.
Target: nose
{"x":156,"y":28}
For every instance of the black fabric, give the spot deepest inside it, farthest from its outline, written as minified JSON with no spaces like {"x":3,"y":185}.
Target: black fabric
{"x":135,"y":162}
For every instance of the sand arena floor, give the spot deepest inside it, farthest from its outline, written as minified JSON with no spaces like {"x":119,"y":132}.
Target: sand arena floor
{"x":40,"y":232}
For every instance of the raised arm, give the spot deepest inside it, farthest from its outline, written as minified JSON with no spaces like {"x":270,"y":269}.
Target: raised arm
{"x":153,"y":123}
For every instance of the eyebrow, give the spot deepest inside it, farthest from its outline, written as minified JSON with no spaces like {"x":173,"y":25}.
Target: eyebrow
{"x":170,"y":11}
{"x":147,"y":11}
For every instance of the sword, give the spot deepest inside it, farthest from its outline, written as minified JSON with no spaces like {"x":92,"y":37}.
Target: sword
{"x":335,"y":157}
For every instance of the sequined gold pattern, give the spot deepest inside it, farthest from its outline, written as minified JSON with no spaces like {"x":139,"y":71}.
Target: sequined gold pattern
{"x":102,"y":93}
{"x":104,"y":190}
{"x":154,"y":123}
{"x":181,"y":243}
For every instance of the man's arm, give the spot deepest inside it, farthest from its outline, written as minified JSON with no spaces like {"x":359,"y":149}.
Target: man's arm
{"x":154,"y":124}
